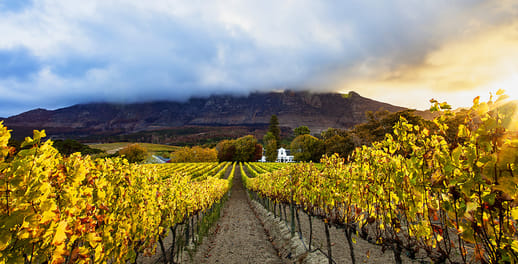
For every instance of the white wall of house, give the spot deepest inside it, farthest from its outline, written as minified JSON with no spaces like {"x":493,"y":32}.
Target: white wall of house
{"x":282,"y":156}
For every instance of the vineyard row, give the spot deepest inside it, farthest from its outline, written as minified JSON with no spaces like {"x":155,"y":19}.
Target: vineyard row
{"x":78,"y":210}
{"x":414,"y":192}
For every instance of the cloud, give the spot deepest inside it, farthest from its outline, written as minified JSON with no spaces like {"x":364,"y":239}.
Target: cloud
{"x":14,"y":5}
{"x":459,"y":70}
{"x":67,"y":52}
{"x":18,"y":64}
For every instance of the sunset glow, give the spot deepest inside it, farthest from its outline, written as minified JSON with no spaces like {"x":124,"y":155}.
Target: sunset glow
{"x":460,"y":70}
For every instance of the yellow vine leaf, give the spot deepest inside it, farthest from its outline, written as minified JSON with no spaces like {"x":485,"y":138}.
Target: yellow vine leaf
{"x":83,"y":252}
{"x":93,"y":239}
{"x":60,"y":235}
{"x":514,"y":213}
{"x":59,"y":254}
{"x":98,"y":254}
{"x":476,"y":100}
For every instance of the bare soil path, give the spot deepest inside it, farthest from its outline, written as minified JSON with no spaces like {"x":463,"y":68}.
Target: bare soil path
{"x":239,"y":236}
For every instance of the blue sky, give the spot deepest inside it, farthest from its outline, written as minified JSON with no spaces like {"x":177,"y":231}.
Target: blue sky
{"x":56,"y":53}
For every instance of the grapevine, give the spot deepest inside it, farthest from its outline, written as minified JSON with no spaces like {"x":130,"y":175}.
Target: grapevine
{"x":413,"y":191}
{"x":79,"y":210}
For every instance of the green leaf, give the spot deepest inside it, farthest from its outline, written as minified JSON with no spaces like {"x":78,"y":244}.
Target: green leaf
{"x":445,"y":105}
{"x":27,"y":142}
{"x":38,"y":135}
{"x":456,"y":154}
{"x":16,"y":218}
{"x":471,"y":206}
{"x":489,"y":198}
{"x":5,"y":238}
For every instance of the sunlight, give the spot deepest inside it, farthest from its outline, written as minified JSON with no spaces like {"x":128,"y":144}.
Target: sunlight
{"x":513,"y":93}
{"x":510,"y":85}
{"x":514,"y":123}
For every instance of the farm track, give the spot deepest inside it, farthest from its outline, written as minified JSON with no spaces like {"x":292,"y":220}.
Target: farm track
{"x":238,"y":236}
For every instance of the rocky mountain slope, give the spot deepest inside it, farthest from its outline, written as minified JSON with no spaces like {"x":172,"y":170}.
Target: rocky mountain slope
{"x":317,"y":111}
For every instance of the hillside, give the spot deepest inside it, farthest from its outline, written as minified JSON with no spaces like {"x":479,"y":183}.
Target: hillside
{"x":247,"y":114}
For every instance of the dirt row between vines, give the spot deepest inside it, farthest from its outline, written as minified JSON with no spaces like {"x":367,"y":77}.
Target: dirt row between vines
{"x":238,"y":236}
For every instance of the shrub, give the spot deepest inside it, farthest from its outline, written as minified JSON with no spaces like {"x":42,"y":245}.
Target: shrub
{"x":134,"y":153}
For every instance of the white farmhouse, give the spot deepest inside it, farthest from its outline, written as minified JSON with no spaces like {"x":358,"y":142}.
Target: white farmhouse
{"x":283,"y":155}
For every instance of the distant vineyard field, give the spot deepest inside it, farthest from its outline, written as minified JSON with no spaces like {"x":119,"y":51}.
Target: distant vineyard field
{"x":114,"y":147}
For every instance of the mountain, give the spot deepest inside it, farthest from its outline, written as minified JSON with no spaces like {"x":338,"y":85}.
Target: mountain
{"x":317,"y":111}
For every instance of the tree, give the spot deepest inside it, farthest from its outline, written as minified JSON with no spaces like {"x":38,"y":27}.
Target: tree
{"x":382,"y":122}
{"x":134,"y":153}
{"x":271,"y":151}
{"x":242,"y":149}
{"x":275,"y":130}
{"x":330,"y":132}
{"x":245,"y":148}
{"x":226,"y":150}
{"x":338,"y":144}
{"x":194,"y":154}
{"x":301,"y":130}
{"x":270,"y":147}
{"x":69,"y":146}
{"x":307,"y":148}
{"x":258,"y":154}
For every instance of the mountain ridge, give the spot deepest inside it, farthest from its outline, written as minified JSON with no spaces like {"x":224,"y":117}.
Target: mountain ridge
{"x":318,"y":111}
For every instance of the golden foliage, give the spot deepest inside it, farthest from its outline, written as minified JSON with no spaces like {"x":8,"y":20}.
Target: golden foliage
{"x":194,"y":154}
